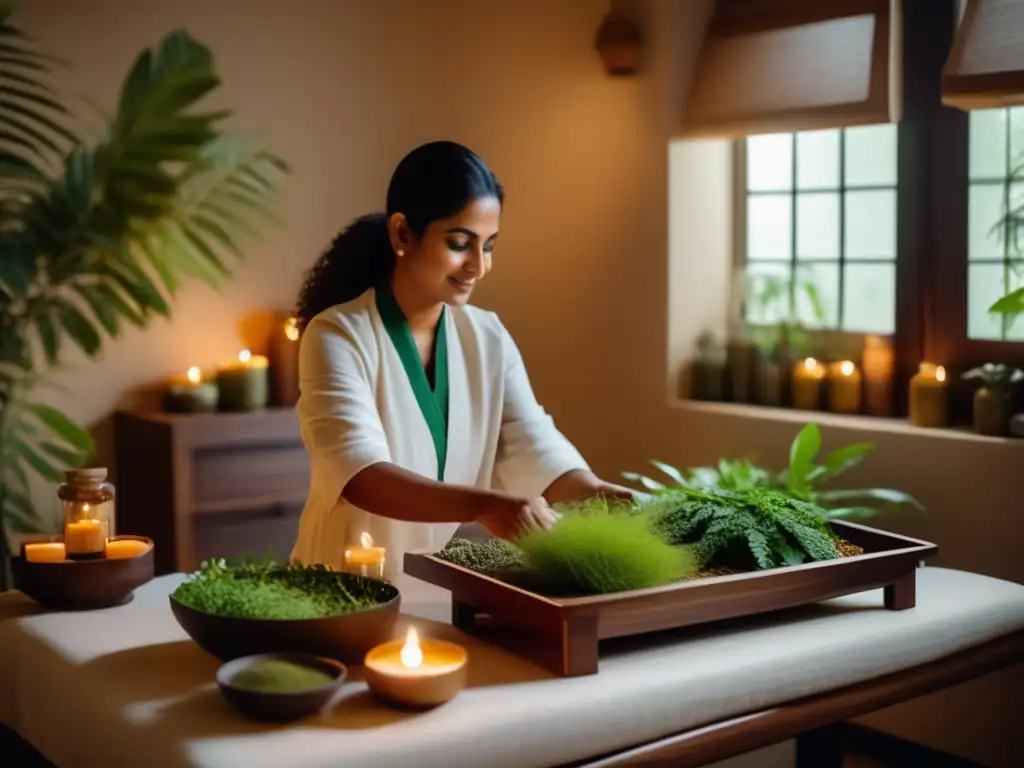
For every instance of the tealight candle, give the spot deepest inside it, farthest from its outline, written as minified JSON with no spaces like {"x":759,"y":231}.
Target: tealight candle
{"x":416,"y":673}
{"x":243,"y":383}
{"x":190,"y":393}
{"x":365,"y":559}
{"x":807,"y":377}
{"x":844,"y":388}
{"x":45,"y":552}
{"x":124,"y":549}
{"x":85,"y":539}
{"x":929,"y":397}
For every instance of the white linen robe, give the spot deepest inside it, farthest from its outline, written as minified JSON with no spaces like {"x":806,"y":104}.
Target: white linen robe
{"x":357,"y":407}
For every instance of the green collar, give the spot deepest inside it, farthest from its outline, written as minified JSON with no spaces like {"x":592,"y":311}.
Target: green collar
{"x":432,"y":400}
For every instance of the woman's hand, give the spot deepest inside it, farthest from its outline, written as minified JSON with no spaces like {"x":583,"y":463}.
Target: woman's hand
{"x":510,"y":517}
{"x":580,"y":484}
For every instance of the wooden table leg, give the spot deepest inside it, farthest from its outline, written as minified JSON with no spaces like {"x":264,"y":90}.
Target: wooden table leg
{"x":579,"y":646}
{"x":463,"y":616}
{"x":821,"y":747}
{"x":902,"y":594}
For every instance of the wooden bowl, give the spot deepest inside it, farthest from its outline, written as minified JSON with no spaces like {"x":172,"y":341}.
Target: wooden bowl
{"x":75,"y":585}
{"x":280,"y":707}
{"x":346,"y":637}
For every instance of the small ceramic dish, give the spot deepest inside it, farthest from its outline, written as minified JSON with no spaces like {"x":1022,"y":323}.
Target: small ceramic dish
{"x":280,"y":706}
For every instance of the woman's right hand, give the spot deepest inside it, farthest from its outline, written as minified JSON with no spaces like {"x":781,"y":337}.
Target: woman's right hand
{"x":510,"y":517}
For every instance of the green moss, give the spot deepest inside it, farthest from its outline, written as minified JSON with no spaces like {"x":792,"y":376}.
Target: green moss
{"x":269,"y":591}
{"x":746,"y":530}
{"x":596,"y":548}
{"x":280,"y":676}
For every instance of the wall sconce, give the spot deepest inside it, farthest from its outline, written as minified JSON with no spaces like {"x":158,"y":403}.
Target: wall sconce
{"x":618,"y":43}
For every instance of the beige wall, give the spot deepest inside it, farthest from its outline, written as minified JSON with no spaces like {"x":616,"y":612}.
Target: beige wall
{"x":344,"y":87}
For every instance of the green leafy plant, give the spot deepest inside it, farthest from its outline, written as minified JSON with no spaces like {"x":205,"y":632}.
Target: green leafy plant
{"x":1010,"y":230}
{"x":265,"y":590}
{"x":755,"y":528}
{"x":801,"y":479}
{"x":98,"y":234}
{"x":596,"y":547}
{"x":772,"y":295}
{"x":997,"y":377}
{"x":595,"y":551}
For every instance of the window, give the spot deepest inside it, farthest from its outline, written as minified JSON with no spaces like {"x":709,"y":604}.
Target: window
{"x":820,"y":219}
{"x":996,"y":185}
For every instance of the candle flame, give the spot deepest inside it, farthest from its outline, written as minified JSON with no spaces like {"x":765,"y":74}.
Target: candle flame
{"x":291,"y":329}
{"x":365,"y":540}
{"x":810,"y":363}
{"x":244,"y":356}
{"x":194,"y":374}
{"x":412,"y":655}
{"x":940,"y":373}
{"x":846,"y":368}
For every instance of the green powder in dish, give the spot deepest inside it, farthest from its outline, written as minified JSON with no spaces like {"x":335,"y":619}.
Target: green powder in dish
{"x":279,"y":676}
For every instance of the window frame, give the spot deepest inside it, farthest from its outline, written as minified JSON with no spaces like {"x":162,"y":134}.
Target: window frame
{"x":932,"y":198}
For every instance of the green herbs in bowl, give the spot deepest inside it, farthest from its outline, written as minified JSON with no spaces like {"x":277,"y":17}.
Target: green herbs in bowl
{"x":257,"y":608}
{"x":280,"y":687}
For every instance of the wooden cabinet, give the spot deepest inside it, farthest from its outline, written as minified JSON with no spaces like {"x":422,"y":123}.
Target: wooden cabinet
{"x":211,"y":485}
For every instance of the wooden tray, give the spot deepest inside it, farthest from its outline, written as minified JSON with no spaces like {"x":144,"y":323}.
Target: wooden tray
{"x":566,"y":631}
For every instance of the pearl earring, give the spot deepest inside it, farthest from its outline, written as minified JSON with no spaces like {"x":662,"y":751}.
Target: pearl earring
{"x":400,"y":254}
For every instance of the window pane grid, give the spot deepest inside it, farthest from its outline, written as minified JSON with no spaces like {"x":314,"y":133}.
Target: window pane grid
{"x":996,"y":147}
{"x":821,"y":208}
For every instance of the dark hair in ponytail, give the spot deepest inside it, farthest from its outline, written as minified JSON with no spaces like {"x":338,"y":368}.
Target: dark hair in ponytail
{"x":434,"y":181}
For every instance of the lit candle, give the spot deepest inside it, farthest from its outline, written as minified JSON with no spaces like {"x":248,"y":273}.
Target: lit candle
{"x":929,"y":397}
{"x":243,"y":383}
{"x":284,"y":361}
{"x":807,"y":377}
{"x":45,"y":552}
{"x":85,"y":539}
{"x":414,"y":672}
{"x":190,"y":393}
{"x":124,"y":549}
{"x":844,"y":388}
{"x":878,"y":364}
{"x":365,"y":559}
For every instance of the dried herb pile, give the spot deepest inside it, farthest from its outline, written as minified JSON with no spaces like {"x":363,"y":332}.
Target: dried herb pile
{"x":265,"y":590}
{"x":280,"y":676}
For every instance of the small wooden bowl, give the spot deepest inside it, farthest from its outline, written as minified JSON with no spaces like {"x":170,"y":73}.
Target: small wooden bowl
{"x":80,"y":585}
{"x":280,"y":707}
{"x":345,"y":637}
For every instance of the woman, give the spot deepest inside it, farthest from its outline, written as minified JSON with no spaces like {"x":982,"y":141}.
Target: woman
{"x":415,"y":407}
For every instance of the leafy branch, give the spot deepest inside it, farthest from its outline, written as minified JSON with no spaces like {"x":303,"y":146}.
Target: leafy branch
{"x":98,"y":237}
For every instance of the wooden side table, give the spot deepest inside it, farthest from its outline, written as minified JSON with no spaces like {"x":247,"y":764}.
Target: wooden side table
{"x":211,"y":485}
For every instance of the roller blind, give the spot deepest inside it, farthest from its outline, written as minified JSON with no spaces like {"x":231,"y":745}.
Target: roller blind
{"x":986,"y":63}
{"x":768,"y":66}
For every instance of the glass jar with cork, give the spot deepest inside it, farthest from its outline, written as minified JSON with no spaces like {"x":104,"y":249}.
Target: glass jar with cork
{"x":87,"y":500}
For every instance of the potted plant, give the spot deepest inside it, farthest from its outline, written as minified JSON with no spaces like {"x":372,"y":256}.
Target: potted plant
{"x":778,"y":334}
{"x":993,"y":400}
{"x":99,"y":234}
{"x":709,"y":368}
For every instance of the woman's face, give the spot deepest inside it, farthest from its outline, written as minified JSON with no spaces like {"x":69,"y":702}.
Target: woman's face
{"x":445,"y":264}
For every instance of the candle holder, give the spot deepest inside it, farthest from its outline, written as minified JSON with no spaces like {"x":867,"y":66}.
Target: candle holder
{"x":191,"y":394}
{"x":366,"y":559}
{"x":844,"y":387}
{"x":929,"y":397}
{"x":416,"y":673}
{"x":87,"y":501}
{"x":244,"y":383}
{"x":806,"y":387}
